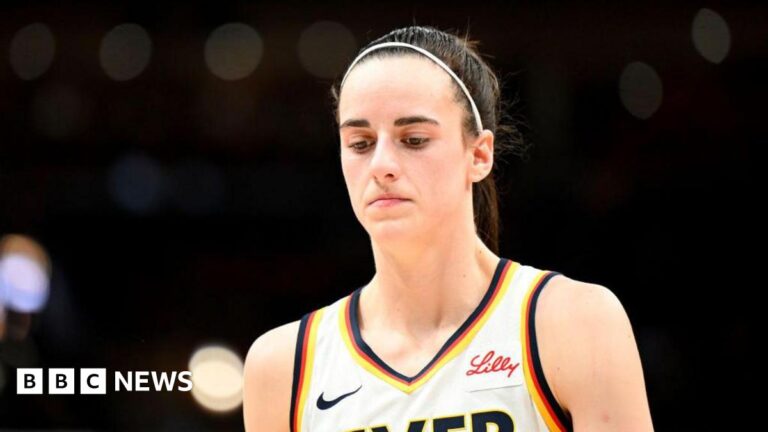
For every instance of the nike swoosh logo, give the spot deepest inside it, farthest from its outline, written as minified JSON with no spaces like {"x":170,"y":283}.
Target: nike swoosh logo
{"x":325,"y":404}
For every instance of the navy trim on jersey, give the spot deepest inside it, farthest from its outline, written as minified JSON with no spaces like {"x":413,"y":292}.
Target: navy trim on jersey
{"x":564,"y":419}
{"x":358,"y":339}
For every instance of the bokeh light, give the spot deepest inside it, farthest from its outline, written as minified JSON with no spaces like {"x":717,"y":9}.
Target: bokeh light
{"x":24,"y":274}
{"x":23,"y":283}
{"x":711,"y":35}
{"x":325,"y":47}
{"x":137,"y":183}
{"x":233,"y":51}
{"x":32,"y":51}
{"x":125,"y":51}
{"x":640,"y":90}
{"x":217,"y":377}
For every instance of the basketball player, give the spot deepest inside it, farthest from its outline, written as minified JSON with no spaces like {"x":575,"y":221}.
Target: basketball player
{"x":447,"y":335}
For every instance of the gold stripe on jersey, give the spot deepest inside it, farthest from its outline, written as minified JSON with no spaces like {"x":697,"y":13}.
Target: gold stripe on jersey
{"x":307,"y":363}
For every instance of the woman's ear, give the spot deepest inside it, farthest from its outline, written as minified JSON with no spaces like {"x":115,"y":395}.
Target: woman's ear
{"x":481,"y":152}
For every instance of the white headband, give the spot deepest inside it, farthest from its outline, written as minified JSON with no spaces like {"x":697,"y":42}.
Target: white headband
{"x":433,"y":58}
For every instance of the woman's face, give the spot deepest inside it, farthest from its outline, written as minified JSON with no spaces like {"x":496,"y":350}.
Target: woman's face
{"x":401,"y":134}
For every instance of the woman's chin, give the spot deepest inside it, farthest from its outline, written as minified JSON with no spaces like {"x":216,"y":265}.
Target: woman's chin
{"x":388,"y":231}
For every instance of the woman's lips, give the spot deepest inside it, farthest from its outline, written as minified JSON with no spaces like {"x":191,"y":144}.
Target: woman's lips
{"x":388,"y":202}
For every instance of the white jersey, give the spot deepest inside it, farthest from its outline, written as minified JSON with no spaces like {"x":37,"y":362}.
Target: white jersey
{"x":486,"y":377}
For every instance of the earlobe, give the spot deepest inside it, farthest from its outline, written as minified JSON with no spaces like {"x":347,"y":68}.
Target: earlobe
{"x":482,"y":156}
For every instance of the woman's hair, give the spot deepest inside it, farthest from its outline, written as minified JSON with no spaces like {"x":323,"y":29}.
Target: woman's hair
{"x":461,"y":55}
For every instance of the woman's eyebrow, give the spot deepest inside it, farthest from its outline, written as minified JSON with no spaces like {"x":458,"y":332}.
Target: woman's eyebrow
{"x":402,"y":121}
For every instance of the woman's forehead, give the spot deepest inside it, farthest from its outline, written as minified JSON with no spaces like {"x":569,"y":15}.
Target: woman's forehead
{"x":393,"y":83}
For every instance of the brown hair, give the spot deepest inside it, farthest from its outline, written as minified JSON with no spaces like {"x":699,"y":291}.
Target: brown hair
{"x":462,"y":56}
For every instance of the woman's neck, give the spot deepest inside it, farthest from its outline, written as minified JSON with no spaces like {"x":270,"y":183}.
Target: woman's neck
{"x":431,"y":291}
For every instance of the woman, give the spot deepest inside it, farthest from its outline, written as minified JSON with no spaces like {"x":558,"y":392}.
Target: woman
{"x":446,"y":335}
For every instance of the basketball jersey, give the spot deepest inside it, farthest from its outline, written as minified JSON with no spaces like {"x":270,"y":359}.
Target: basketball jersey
{"x":486,"y":377}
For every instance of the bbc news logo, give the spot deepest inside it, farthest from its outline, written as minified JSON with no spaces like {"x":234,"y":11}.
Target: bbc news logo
{"x":94,"y":381}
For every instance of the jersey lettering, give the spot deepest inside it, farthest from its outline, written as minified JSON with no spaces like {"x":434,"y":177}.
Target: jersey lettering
{"x":479,"y":422}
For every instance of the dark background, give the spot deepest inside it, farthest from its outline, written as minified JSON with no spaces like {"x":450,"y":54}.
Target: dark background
{"x":249,"y":225}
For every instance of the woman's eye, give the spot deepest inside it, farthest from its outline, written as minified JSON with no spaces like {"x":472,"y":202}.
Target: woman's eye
{"x":416,"y":141}
{"x":359,"y":145}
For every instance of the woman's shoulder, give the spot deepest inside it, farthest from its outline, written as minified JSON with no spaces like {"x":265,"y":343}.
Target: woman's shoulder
{"x":268,"y":372}
{"x":568,"y":307}
{"x":268,"y":377}
{"x":280,"y":342}
{"x":587,"y":347}
{"x":564,"y":294}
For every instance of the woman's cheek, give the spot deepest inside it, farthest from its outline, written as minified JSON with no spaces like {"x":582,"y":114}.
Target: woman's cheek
{"x":353,"y":192}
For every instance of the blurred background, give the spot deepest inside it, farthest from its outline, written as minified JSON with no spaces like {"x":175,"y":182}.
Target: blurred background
{"x":170,"y":187}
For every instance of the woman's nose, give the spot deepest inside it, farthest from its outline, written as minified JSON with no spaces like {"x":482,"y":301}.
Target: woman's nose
{"x":385,"y":164}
